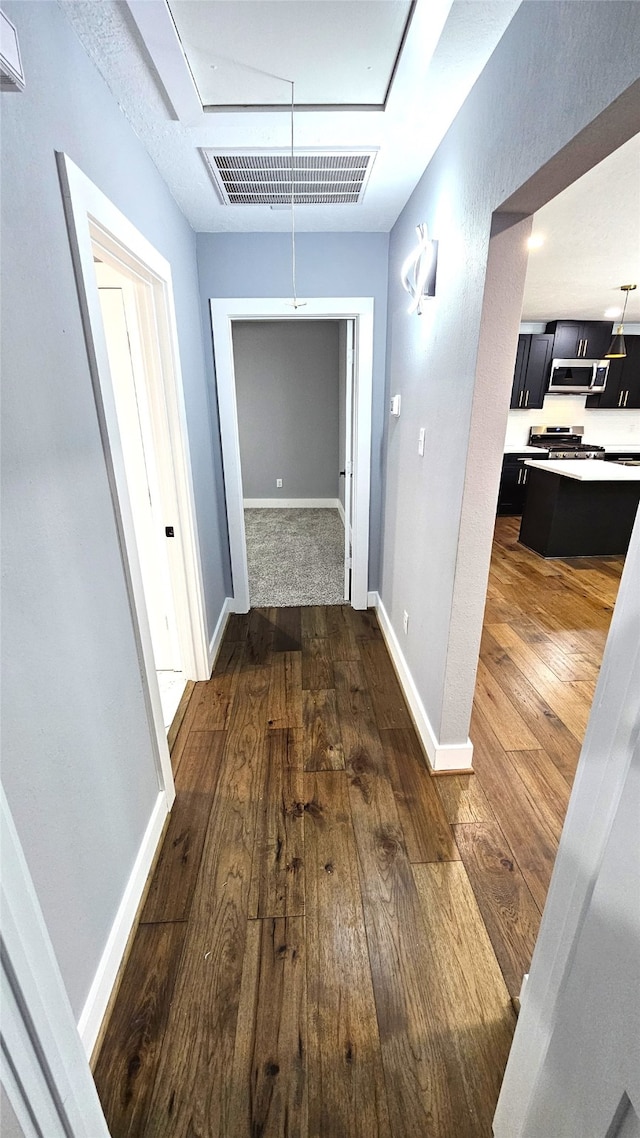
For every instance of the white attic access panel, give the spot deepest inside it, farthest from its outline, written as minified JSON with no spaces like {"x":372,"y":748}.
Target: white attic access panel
{"x":339,"y":54}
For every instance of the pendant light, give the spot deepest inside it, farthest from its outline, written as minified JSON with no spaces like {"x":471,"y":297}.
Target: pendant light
{"x":617,"y":349}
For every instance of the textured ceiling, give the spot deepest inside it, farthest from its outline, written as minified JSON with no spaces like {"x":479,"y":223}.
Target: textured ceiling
{"x":429,"y":88}
{"x":591,"y":244}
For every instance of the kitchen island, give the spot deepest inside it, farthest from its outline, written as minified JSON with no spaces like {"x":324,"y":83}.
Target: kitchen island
{"x":579,"y":507}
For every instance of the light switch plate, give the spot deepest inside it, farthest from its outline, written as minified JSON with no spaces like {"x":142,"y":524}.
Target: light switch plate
{"x":421,"y":442}
{"x":395,"y":405}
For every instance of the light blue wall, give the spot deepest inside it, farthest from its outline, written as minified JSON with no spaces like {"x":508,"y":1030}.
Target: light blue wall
{"x":523,"y":134}
{"x":328,"y":264}
{"x":77,"y":763}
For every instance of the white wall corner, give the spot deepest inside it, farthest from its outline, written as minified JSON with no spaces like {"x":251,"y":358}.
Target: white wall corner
{"x":218,"y":632}
{"x":440,"y":756}
{"x":97,"y":1001}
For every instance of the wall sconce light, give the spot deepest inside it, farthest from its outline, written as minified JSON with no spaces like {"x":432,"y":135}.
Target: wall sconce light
{"x":418,"y":273}
{"x":617,"y":348}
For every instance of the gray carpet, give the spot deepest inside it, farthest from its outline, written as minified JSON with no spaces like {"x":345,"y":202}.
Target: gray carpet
{"x":296,"y":557}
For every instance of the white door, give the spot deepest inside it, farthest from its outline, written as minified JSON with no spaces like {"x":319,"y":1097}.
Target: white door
{"x":117,"y":301}
{"x":348,"y":458}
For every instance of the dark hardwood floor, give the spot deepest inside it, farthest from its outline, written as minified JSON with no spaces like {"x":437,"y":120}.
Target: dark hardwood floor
{"x":331,"y":937}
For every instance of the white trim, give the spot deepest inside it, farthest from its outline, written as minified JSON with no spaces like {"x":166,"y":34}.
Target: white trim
{"x":373,"y":600}
{"x":84,"y":202}
{"x":340,"y":509}
{"x":44,"y":1068}
{"x":111,"y":959}
{"x":350,"y":418}
{"x":441,"y":756}
{"x":292,"y":504}
{"x":218,"y":633}
{"x":223,"y":312}
{"x":156,"y":26}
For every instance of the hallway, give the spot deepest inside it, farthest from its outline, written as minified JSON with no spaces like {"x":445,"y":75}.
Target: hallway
{"x":331,"y":936}
{"x":311,"y":959}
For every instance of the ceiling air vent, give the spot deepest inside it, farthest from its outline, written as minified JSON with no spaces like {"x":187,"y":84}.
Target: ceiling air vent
{"x":319,"y":177}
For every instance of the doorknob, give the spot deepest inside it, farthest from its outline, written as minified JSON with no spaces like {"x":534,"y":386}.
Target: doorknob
{"x":343,"y":473}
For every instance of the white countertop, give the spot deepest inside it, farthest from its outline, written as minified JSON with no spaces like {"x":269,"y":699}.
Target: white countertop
{"x":525,"y":450}
{"x":619,"y":448}
{"x":588,"y":469}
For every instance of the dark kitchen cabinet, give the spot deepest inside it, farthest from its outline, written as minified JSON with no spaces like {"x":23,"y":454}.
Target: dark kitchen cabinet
{"x":623,"y":381}
{"x":513,"y":483}
{"x":531,"y":376}
{"x":580,"y":339}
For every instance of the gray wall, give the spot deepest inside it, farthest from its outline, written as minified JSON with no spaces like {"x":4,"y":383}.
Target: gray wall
{"x":10,"y":1127}
{"x":77,"y":762}
{"x":328,"y":264}
{"x":538,"y":91}
{"x":287,"y":395}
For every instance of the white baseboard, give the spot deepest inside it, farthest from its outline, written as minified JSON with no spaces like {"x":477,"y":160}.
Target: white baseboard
{"x":340,"y":509}
{"x":373,"y":600}
{"x":291,"y":503}
{"x":218,"y":632}
{"x":97,"y":1001}
{"x":441,"y":757}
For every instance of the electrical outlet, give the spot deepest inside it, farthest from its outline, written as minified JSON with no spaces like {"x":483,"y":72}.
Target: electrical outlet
{"x":405,"y":621}
{"x":421,"y":442}
{"x":278,"y":483}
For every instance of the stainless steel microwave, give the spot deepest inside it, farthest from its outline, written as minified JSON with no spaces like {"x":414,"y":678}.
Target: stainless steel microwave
{"x":578,"y":377}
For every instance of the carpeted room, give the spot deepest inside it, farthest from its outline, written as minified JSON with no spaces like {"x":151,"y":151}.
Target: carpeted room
{"x":291,"y":401}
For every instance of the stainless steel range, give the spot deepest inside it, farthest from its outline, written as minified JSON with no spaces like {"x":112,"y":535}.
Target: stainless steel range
{"x":564,"y":442}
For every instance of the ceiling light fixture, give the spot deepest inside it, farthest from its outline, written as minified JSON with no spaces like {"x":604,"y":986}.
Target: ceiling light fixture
{"x":617,"y":348}
{"x":535,"y":241}
{"x":418,"y":273}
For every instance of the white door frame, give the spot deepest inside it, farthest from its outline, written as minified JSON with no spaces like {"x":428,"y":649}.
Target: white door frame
{"x":91,"y":217}
{"x":348,"y":455}
{"x":359,"y":309}
{"x":43,"y":1067}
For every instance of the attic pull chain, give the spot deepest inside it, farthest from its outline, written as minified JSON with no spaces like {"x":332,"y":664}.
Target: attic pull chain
{"x":293,"y":216}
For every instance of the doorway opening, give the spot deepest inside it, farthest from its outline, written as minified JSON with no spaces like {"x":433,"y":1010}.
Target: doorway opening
{"x":122,"y":299}
{"x":547,"y":612}
{"x":251,"y":449}
{"x":294,"y":389}
{"x":126,"y":297}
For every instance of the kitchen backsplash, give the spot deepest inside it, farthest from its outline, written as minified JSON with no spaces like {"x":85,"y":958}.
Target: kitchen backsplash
{"x":600,"y":426}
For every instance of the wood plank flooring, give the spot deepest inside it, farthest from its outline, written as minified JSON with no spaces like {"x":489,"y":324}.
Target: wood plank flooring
{"x":331,"y":938}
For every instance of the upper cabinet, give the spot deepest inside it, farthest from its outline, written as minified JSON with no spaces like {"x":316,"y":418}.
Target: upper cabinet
{"x":531,"y":377}
{"x":623,"y":381}
{"x":580,"y":339}
{"x":561,"y":341}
